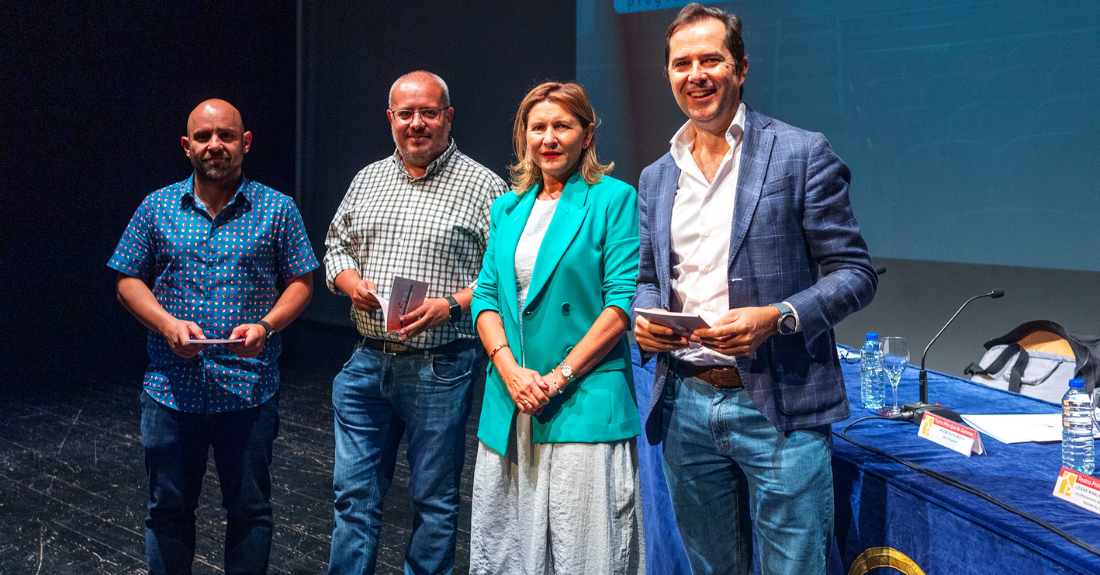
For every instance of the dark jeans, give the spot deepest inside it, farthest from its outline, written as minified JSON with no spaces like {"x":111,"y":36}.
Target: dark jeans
{"x":176,"y":447}
{"x":377,"y":398}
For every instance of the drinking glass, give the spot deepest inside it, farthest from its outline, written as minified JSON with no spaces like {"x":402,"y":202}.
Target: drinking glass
{"x":895,"y":358}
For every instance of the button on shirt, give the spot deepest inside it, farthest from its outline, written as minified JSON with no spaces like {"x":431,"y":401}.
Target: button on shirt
{"x":702,"y":218}
{"x":218,"y":272}
{"x":433,"y":229}
{"x":702,"y":222}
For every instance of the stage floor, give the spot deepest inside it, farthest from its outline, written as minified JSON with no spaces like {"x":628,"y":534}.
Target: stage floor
{"x":73,"y":487}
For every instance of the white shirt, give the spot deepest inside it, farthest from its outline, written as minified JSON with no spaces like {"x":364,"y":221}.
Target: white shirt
{"x":527,"y":250}
{"x":702,"y":220}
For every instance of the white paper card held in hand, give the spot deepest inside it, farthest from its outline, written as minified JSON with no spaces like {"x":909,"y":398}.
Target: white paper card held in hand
{"x":405,"y":296}
{"x":680,"y":323}
{"x":951,"y":435}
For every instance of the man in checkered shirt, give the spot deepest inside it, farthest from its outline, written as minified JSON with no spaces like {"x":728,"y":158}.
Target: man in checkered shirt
{"x":423,"y":214}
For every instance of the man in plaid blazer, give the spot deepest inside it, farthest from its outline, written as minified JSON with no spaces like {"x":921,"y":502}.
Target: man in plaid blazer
{"x":747,"y":223}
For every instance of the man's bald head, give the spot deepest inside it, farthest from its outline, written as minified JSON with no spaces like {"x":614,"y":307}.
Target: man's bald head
{"x":216,"y":141}
{"x":424,"y":77}
{"x":215,"y":108}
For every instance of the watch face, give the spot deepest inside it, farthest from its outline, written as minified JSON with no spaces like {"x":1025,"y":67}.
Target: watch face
{"x":567,"y":371}
{"x":787,"y":325}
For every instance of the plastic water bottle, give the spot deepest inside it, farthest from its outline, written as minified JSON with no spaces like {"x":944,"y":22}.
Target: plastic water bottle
{"x":1077,"y":442}
{"x":872,"y":386}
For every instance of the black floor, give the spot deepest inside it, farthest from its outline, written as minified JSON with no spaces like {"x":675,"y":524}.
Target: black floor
{"x":73,"y":486}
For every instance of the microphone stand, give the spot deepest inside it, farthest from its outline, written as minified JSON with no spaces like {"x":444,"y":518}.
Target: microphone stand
{"x":914,"y":412}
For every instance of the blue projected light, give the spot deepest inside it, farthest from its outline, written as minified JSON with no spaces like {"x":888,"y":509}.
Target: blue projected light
{"x":626,"y":6}
{"x":970,"y":127}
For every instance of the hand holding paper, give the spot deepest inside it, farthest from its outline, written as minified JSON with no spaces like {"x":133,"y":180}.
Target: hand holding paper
{"x":405,"y":295}
{"x":656,"y":329}
{"x":365,"y":296}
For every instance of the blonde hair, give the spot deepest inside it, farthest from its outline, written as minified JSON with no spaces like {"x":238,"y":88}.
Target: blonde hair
{"x":525,"y":173}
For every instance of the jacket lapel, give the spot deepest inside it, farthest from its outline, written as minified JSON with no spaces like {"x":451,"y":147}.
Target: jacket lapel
{"x":756,"y":150}
{"x":509,"y":231}
{"x":567,"y":220}
{"x":667,"y":184}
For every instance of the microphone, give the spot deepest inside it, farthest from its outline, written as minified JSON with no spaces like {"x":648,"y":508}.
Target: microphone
{"x":913,"y":412}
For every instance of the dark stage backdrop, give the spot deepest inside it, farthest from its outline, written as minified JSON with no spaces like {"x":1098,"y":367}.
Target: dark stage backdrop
{"x":489,"y":53}
{"x":96,"y":98}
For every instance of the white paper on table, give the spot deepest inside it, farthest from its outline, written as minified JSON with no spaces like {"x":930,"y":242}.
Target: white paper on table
{"x":1019,"y":427}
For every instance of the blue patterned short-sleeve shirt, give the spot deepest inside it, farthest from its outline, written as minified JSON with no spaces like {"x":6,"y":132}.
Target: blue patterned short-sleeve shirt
{"x":218,"y":272}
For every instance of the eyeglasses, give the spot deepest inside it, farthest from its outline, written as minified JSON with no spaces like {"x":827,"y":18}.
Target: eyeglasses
{"x":426,"y":114}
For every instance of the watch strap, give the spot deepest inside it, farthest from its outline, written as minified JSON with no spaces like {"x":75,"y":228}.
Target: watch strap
{"x":785,"y":315}
{"x":456,"y":309}
{"x":267,"y":328}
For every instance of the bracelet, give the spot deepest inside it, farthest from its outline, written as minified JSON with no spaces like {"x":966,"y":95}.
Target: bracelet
{"x":557,"y":390}
{"x":495,"y":350}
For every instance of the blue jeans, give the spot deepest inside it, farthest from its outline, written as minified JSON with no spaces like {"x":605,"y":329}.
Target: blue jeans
{"x":724,"y":460}
{"x":376,"y":398}
{"x":176,"y":452}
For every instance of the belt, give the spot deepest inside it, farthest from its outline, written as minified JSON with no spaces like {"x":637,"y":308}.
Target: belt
{"x":392,"y":348}
{"x":720,"y":377}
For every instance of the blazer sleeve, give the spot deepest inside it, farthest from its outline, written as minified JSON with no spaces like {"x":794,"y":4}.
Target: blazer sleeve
{"x":486,"y":293}
{"x":648,"y":293}
{"x":620,"y":248}
{"x":848,"y":280}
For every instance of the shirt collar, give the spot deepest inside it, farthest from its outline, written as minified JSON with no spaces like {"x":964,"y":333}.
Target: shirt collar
{"x":432,"y":169}
{"x":684,"y":141}
{"x":244,"y":196}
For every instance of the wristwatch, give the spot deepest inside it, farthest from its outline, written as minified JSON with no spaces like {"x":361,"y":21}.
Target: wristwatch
{"x":267,"y":328}
{"x":787,"y":323}
{"x":456,"y":310}
{"x":566,"y":372}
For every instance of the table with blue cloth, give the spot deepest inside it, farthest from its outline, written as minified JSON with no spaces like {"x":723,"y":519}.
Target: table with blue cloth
{"x":883,"y":504}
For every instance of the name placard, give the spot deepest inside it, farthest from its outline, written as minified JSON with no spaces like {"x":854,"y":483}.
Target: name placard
{"x":1079,"y":489}
{"x":951,"y":435}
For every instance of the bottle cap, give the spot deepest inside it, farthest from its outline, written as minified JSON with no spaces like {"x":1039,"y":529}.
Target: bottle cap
{"x":872,"y":335}
{"x":1077,"y":383}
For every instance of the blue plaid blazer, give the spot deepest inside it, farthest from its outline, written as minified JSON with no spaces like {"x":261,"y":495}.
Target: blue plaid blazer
{"x":794,"y":239}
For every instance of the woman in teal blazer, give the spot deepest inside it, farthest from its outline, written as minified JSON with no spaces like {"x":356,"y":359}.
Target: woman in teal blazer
{"x":556,"y":482}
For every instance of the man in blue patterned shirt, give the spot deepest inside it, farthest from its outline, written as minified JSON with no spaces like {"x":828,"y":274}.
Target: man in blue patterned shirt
{"x":201,"y":260}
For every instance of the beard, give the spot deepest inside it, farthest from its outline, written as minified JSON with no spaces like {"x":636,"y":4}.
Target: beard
{"x":216,"y":173}
{"x":439,"y":143}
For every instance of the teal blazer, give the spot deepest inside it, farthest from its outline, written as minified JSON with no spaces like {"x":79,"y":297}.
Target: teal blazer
{"x":588,"y":261}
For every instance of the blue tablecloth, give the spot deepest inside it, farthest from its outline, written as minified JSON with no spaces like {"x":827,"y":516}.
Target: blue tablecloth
{"x":883,"y":504}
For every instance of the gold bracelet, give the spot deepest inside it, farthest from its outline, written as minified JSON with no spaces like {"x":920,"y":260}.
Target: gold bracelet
{"x":495,"y":350}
